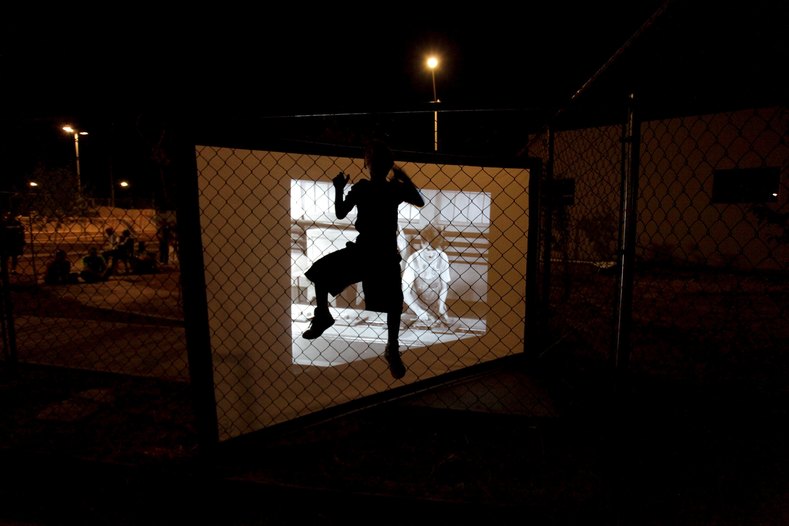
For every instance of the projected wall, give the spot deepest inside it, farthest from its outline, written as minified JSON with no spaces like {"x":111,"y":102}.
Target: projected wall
{"x":444,"y":250}
{"x":267,"y":215}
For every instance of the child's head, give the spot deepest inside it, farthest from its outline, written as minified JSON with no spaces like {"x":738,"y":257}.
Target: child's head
{"x":378,"y":159}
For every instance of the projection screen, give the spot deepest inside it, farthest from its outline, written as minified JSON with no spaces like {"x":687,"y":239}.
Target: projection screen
{"x":267,"y":215}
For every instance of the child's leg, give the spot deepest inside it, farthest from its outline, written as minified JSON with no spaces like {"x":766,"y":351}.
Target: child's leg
{"x":321,"y":298}
{"x":392,"y":352}
{"x":322,"y":319}
{"x":393,"y":328}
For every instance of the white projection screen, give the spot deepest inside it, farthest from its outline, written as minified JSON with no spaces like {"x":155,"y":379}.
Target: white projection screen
{"x":266,"y":215}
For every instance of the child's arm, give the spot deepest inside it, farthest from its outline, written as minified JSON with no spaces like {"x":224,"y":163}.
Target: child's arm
{"x":341,"y":206}
{"x":411,"y":194}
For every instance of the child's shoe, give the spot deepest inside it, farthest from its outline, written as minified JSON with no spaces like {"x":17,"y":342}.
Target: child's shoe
{"x":396,"y":367}
{"x":320,"y":322}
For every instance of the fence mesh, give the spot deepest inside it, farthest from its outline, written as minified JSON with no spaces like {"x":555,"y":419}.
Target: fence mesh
{"x":709,"y":297}
{"x":95,"y":290}
{"x":709,"y":289}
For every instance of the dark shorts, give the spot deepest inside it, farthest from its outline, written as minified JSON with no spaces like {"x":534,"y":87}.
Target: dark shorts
{"x":379,"y":275}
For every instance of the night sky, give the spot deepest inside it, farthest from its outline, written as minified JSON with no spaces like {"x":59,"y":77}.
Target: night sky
{"x":322,"y":59}
{"x":110,"y":71}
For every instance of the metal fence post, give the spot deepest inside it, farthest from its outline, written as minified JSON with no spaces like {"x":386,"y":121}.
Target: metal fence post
{"x":627,"y":238}
{"x":190,"y":257}
{"x":7,"y":328}
{"x":548,"y":207}
{"x":534,"y":327}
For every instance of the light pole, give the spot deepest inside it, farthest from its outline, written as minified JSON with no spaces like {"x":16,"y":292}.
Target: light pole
{"x":432,"y":63}
{"x":76,"y":133}
{"x":124,"y":185}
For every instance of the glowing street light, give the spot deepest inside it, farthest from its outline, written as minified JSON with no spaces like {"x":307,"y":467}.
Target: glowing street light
{"x":122,"y":184}
{"x":432,"y":63}
{"x":68,"y":129}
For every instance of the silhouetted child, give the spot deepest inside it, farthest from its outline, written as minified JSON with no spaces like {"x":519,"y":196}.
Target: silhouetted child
{"x":373,"y":259}
{"x":110,"y":253}
{"x":124,"y":252}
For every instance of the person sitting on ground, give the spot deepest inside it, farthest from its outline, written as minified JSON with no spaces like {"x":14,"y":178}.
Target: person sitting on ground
{"x":94,"y":267}
{"x":144,"y":261}
{"x":426,"y":281}
{"x":59,"y":270}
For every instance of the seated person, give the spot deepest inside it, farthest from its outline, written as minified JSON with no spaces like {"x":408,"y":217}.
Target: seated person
{"x":143,"y":262}
{"x":94,"y":267}
{"x":59,"y":270}
{"x":426,"y":280}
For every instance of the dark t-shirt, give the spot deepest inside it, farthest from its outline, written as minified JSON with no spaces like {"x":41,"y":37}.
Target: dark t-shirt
{"x":376,"y":220}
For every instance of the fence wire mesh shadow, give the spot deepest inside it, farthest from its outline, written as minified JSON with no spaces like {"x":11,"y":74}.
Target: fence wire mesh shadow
{"x":267,"y":215}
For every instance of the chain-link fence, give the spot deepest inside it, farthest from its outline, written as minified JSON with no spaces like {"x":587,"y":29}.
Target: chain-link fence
{"x":657,"y":242}
{"x":96,"y":288}
{"x":664,"y":244}
{"x":106,"y":289}
{"x":708,"y":289}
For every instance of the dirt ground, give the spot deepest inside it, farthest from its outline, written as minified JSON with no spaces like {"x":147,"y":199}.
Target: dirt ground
{"x":694,"y":434}
{"x":651,"y":452}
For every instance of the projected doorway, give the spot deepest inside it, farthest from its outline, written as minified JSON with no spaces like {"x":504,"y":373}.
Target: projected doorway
{"x":444,"y":248}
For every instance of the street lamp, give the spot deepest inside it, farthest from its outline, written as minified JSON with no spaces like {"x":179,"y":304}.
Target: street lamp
{"x":76,"y":133}
{"x":432,"y":63}
{"x":124,"y":186}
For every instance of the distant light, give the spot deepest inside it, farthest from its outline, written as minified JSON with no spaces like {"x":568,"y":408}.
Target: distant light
{"x":775,"y":194}
{"x":432,"y":62}
{"x":124,"y":184}
{"x":33,"y":184}
{"x":69,"y":129}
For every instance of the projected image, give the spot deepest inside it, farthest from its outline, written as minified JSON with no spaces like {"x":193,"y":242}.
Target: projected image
{"x":444,"y":247}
